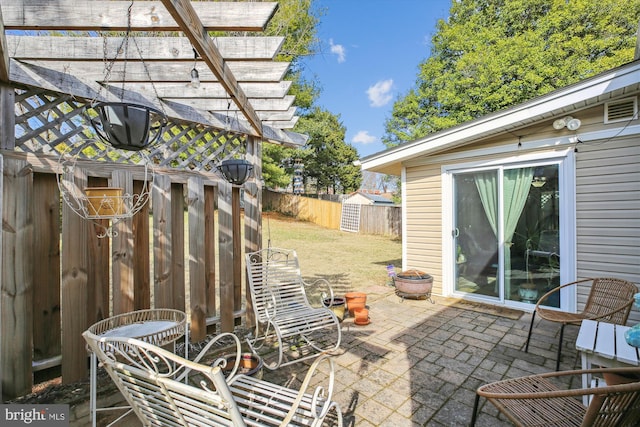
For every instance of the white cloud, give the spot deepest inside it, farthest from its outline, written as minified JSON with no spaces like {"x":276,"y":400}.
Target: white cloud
{"x":364,"y":138}
{"x":338,"y":50}
{"x":380,"y":93}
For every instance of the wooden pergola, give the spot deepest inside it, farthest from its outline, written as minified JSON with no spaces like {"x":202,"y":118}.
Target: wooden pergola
{"x":56,"y":58}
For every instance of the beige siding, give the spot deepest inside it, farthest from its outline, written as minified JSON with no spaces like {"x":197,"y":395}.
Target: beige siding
{"x":424,"y":222}
{"x":608,"y":211}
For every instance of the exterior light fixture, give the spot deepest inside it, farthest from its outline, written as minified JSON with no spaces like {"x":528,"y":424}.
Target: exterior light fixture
{"x":568,"y":122}
{"x":195,"y":78}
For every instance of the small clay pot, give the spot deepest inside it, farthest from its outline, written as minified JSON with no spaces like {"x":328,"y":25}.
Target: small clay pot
{"x":337,"y":305}
{"x":361,"y":316}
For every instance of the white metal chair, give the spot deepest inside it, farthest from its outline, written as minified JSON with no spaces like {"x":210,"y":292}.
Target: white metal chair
{"x":164,"y":389}
{"x":288,"y":328}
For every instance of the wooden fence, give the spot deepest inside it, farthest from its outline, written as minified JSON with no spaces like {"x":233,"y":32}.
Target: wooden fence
{"x":59,"y":277}
{"x":384,"y":220}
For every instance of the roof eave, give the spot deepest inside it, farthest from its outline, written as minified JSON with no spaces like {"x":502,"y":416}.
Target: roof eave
{"x":586,"y":93}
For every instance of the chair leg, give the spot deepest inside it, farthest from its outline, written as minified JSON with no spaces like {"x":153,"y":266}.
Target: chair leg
{"x":559,"y":348}
{"x":533,"y":317}
{"x":474,"y":414}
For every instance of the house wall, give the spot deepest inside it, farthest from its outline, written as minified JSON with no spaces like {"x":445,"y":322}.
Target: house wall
{"x":607,"y":199}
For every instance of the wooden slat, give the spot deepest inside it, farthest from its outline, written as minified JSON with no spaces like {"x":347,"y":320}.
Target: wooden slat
{"x":177,"y":243}
{"x":162,"y":256}
{"x":137,"y":49}
{"x":253,"y":215}
{"x":197,"y":265}
{"x":237,"y":251}
{"x":586,"y":340}
{"x":624,"y":352}
{"x":166,"y":71}
{"x":255,"y":91}
{"x":262,"y":106}
{"x":210,"y":249}
{"x":605,"y":341}
{"x":145,"y":15}
{"x":4,"y":55}
{"x":225,"y":255}
{"x":122,"y":259}
{"x":74,"y":290}
{"x":2,"y":341}
{"x":7,"y":117}
{"x":46,"y":278}
{"x":99,"y":265}
{"x":141,"y":261}
{"x":186,"y":17}
{"x":16,"y":326}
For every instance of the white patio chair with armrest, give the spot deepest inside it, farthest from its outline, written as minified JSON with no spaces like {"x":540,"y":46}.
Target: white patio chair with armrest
{"x":165,"y":389}
{"x":288,"y":328}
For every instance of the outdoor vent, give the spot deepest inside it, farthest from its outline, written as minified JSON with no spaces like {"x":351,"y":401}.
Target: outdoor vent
{"x":621,"y":110}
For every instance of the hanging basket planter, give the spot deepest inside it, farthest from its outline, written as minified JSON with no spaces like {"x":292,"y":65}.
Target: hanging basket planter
{"x":235,"y":171}
{"x":104,"y":202}
{"x":127,"y":126}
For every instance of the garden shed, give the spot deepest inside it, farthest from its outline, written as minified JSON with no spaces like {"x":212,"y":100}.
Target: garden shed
{"x":512,"y":204}
{"x":221,"y":98}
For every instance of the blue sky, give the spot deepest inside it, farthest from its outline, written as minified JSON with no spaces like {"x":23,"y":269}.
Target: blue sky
{"x":369,"y":57}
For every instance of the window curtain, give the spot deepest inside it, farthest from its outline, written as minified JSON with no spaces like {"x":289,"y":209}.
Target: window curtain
{"x":516,"y":186}
{"x":487,"y":185}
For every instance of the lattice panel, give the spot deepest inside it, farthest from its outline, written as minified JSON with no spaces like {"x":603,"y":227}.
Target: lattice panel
{"x":52,"y":124}
{"x":350,"y":219}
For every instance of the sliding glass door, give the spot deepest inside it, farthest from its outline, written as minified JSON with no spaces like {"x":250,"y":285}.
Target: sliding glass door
{"x":506,"y":232}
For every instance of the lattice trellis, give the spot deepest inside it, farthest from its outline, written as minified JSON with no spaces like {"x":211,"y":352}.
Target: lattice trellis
{"x":51,"y":123}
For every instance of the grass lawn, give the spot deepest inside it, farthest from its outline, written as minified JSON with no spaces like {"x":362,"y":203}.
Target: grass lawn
{"x":349,"y":261}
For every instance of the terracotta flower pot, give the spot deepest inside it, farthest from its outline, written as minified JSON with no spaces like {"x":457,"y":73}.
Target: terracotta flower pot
{"x":250,"y":365}
{"x":362,"y":316}
{"x":355,"y":300}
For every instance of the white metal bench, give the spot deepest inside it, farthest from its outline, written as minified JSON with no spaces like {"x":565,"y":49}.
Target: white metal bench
{"x":164,"y":389}
{"x":289,"y":328}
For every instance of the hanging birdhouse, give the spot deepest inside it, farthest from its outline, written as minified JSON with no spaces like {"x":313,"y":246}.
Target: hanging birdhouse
{"x":236,"y":171}
{"x":127,"y":126}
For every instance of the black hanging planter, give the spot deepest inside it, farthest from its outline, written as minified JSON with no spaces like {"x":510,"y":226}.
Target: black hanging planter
{"x":236,"y":171}
{"x":127,"y":126}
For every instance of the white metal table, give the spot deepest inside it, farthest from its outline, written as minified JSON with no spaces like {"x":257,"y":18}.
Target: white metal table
{"x":159,"y":327}
{"x":603,"y":344}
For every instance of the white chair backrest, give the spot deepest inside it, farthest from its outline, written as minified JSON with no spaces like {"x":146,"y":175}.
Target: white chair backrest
{"x":275,"y":282}
{"x":146,"y":376}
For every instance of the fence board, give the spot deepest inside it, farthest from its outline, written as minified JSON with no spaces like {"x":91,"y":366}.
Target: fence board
{"x":99,"y":264}
{"x":17,"y":279}
{"x":177,"y":243}
{"x":225,"y":255}
{"x":75,"y":266}
{"x":161,"y":200}
{"x":210,"y":249}
{"x":197,"y":296}
{"x":141,"y":261}
{"x":123,"y":283}
{"x":46,"y":278}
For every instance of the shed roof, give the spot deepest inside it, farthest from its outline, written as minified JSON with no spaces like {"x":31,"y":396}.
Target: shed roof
{"x":586,"y":93}
{"x":241,"y":85}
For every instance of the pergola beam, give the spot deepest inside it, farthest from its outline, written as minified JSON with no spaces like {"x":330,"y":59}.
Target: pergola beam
{"x":98,"y":15}
{"x":139,"y":48}
{"x":167,"y":71}
{"x":188,"y":20}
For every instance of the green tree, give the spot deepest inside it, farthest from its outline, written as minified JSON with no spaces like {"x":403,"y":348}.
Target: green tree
{"x":492,"y":54}
{"x":328,"y":159}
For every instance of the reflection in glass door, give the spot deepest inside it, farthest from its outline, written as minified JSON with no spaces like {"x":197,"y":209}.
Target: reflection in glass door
{"x":519,"y":207}
{"x":475,"y":231}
